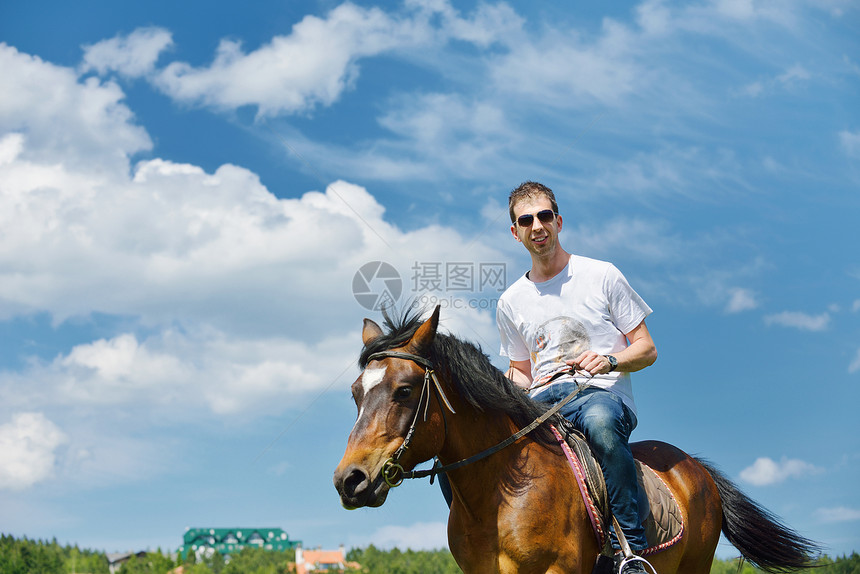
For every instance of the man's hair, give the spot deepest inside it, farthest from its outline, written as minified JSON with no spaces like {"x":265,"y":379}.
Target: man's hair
{"x":530,"y":190}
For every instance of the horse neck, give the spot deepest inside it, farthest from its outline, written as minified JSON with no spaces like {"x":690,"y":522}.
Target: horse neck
{"x":471,"y":431}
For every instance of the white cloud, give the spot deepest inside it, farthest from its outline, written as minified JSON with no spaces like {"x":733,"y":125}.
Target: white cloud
{"x":65,"y":123}
{"x":417,"y":536}
{"x":766,"y":471}
{"x":645,"y":239}
{"x":741,"y":12}
{"x":785,"y":81}
{"x":441,"y":133}
{"x":184,"y":375}
{"x":490,"y":23}
{"x":850,"y":142}
{"x":10,"y":148}
{"x":432,"y":136}
{"x":654,"y":17}
{"x":666,"y":170}
{"x":737,"y":9}
{"x":174,"y":242}
{"x":177,"y":243}
{"x":441,"y":118}
{"x":186,"y":371}
{"x":721,"y":18}
{"x":855,"y":363}
{"x":27,"y":450}
{"x":312,"y":66}
{"x":837,"y":514}
{"x":560,"y":68}
{"x":319,"y":59}
{"x":852,"y":66}
{"x":133,"y":55}
{"x":798,"y":320}
{"x":731,"y":19}
{"x":753,"y":90}
{"x":96,"y":458}
{"x":793,"y":74}
{"x":237,"y":290}
{"x":741,"y":300}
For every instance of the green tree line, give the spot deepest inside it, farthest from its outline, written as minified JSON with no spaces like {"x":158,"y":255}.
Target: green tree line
{"x":246,"y":561}
{"x":24,"y":556}
{"x":376,"y":561}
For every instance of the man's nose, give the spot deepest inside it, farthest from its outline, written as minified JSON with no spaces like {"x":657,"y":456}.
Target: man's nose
{"x":537,"y":224}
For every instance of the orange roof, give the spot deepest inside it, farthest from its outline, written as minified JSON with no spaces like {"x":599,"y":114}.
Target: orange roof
{"x":324,"y":556}
{"x":313,"y":558}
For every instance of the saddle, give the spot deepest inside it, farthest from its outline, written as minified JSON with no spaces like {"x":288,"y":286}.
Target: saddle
{"x":664,"y":524}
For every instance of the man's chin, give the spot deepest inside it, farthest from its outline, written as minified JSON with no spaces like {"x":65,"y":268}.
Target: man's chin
{"x":541,"y":249}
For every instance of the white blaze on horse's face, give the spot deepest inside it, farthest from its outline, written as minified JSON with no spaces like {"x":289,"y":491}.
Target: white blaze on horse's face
{"x":372,"y":377}
{"x":369,"y":379}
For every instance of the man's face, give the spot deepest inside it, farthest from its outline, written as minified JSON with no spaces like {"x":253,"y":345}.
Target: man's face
{"x":539,"y":238}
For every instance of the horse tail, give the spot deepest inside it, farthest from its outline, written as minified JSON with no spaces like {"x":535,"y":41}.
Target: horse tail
{"x":762,"y":539}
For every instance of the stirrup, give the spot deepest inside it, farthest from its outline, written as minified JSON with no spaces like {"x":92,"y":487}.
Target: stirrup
{"x":633,"y":558}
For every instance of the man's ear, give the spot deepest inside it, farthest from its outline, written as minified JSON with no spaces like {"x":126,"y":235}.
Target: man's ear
{"x":558,"y":218}
{"x":514,"y":231}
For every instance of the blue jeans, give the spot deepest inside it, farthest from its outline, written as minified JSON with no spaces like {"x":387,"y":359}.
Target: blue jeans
{"x":607,"y":423}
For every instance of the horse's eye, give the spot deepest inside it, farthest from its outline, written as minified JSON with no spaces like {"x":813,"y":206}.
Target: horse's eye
{"x":402,"y":393}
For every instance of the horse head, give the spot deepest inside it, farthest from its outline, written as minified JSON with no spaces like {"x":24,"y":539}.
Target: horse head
{"x":391,"y":394}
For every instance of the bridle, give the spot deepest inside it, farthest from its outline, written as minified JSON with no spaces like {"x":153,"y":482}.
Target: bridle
{"x":394,"y":474}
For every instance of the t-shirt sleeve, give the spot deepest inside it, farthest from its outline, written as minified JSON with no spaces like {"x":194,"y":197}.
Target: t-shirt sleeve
{"x":513,"y":346}
{"x":626,"y":307}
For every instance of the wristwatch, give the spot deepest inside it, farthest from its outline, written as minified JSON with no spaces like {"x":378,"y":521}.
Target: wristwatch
{"x":613,"y":362}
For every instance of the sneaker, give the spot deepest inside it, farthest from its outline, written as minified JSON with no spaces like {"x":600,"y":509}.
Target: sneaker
{"x":634,"y":567}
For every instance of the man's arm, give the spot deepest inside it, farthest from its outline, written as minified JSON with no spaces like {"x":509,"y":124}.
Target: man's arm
{"x":520,"y":372}
{"x":640,"y":353}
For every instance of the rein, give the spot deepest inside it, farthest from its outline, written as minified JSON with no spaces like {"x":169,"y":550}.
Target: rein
{"x":394,"y":474}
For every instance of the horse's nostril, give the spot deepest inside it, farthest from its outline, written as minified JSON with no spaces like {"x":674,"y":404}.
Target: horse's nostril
{"x":355,"y":482}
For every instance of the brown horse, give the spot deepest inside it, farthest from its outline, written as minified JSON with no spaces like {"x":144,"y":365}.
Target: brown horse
{"x":519,"y":510}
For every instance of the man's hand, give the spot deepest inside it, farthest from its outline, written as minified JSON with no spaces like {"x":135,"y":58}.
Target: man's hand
{"x":639,"y":354}
{"x":591,"y":362}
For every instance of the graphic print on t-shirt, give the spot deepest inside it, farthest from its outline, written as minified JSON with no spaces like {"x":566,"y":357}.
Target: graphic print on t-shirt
{"x":558,"y":340}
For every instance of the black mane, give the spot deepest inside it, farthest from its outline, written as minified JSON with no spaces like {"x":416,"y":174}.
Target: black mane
{"x":468,"y":369}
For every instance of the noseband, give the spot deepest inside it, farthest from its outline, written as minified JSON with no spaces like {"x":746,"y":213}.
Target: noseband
{"x":394,"y":474}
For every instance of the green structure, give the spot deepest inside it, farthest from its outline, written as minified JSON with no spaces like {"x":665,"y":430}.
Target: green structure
{"x":205,"y":541}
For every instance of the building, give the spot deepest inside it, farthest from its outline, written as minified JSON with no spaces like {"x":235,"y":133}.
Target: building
{"x":319,"y":560}
{"x":205,"y":541}
{"x":117,"y":559}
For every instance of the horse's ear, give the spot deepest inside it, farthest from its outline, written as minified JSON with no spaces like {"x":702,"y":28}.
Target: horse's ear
{"x":423,"y":337}
{"x":370,"y":331}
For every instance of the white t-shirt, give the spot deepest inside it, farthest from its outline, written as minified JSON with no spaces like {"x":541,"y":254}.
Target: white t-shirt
{"x":588,"y":305}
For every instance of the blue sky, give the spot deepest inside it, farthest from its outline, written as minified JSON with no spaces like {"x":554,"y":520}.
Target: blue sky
{"x":187,"y":192}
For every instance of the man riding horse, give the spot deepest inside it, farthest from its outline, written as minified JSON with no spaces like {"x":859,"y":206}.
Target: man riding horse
{"x":572,"y":311}
{"x":516,"y":507}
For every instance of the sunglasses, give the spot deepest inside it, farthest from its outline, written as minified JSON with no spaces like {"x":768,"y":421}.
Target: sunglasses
{"x":545,"y":216}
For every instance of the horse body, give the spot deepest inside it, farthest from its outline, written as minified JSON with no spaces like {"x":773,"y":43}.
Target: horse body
{"x":524,"y":517}
{"x":518,"y":510}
